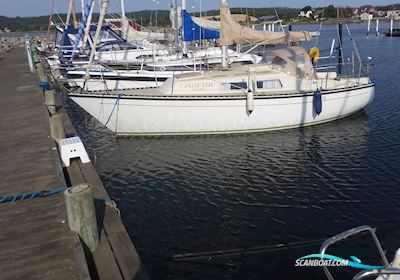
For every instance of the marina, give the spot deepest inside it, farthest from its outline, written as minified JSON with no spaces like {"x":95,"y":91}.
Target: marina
{"x":213,"y":149}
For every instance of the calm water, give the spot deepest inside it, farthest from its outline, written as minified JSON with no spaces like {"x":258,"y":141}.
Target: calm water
{"x":194,"y":194}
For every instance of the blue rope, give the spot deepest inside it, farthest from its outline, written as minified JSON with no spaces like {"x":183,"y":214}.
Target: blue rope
{"x":31,"y":195}
{"x":44,"y":85}
{"x":115,"y":105}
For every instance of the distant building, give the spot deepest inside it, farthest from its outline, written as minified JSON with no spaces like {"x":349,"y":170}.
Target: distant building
{"x":305,"y":14}
{"x":392,"y":13}
{"x":366,"y":16}
{"x":354,"y":11}
{"x":368,"y":9}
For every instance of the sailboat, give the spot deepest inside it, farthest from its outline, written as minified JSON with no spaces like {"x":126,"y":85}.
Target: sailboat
{"x":285,"y":92}
{"x":142,"y":66}
{"x":151,"y":72}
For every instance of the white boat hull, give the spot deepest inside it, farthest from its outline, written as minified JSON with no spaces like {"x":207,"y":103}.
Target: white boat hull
{"x":172,"y":115}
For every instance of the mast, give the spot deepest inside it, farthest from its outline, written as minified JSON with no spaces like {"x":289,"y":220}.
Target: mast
{"x":82,"y":26}
{"x":69,"y":14}
{"x":224,"y":49}
{"x":88,"y":23}
{"x":74,"y":21}
{"x":83,"y":7}
{"x":175,"y":23}
{"x":50,"y":20}
{"x":103,"y":11}
{"x":123,"y":16}
{"x":124,"y":25}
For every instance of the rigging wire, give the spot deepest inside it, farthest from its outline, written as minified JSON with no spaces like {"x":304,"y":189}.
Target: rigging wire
{"x":58,"y":15}
{"x":277,"y":15}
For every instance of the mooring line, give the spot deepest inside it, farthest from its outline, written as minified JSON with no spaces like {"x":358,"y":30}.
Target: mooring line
{"x":31,"y":195}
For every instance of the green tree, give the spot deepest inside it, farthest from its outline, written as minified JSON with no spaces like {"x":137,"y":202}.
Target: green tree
{"x":330,"y":12}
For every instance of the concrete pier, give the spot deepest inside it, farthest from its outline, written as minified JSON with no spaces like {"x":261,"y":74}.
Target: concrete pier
{"x":35,"y":239}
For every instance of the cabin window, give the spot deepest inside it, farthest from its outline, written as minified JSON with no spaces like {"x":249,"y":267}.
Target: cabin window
{"x":269,"y":84}
{"x":239,"y":85}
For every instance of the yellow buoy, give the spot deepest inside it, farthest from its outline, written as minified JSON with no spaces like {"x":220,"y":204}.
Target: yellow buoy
{"x":314,"y":54}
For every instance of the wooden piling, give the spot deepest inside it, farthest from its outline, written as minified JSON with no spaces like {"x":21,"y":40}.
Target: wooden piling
{"x":82,"y":214}
{"x":57,"y":131}
{"x":50,"y":101}
{"x":40,"y":72}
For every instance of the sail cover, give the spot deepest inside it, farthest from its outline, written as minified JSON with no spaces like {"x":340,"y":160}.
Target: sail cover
{"x":82,"y":26}
{"x":193,"y":31}
{"x":207,"y":24}
{"x":233,"y":32}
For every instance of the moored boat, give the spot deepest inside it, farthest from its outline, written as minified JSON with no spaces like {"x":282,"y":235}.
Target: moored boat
{"x":248,"y":98}
{"x":284,"y":92}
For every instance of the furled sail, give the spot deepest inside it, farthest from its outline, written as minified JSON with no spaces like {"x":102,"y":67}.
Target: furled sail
{"x":82,"y":26}
{"x":193,"y":31}
{"x":207,"y":24}
{"x":234,"y":33}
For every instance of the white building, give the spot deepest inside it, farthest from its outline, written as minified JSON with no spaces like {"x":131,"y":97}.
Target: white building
{"x":366,"y":16}
{"x":393,"y":13}
{"x":305,"y":14}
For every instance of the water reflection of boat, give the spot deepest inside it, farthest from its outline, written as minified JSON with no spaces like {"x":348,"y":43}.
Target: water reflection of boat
{"x":394,"y":33}
{"x":296,"y":149}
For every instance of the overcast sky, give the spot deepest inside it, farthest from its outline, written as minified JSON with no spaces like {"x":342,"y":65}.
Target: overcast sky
{"x":13,"y":8}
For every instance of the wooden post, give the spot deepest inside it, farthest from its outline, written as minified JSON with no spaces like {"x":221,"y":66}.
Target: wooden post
{"x":82,"y":214}
{"x":377,"y":27}
{"x":50,"y":101}
{"x":57,"y":127}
